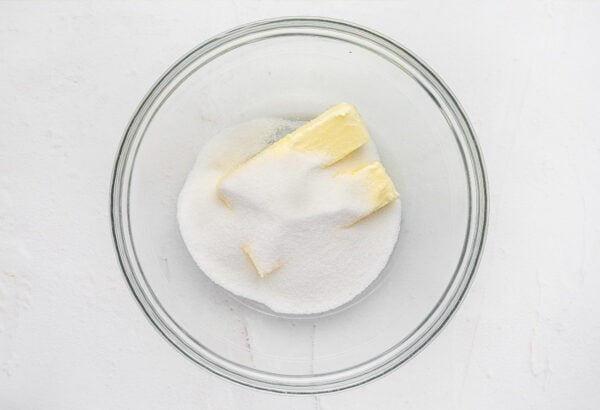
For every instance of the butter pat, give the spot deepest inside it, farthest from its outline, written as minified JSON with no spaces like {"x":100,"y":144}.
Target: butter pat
{"x":258,"y":267}
{"x":376,"y":184}
{"x":333,"y":135}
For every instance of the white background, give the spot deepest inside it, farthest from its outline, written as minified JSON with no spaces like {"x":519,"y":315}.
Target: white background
{"x":528,"y":334}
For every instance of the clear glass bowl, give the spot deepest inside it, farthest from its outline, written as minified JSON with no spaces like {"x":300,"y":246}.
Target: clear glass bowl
{"x":295,"y":68}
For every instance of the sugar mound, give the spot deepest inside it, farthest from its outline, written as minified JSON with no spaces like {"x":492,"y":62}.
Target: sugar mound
{"x":295,"y":225}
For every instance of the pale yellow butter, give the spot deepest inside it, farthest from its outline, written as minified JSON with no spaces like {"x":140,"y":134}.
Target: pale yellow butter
{"x":379,"y":186}
{"x":327,"y":140}
{"x":262,"y":271}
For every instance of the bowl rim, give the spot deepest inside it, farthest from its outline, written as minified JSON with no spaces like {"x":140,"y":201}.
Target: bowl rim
{"x":402,"y":351}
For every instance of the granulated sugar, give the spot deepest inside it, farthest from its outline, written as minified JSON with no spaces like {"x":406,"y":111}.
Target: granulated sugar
{"x":292,"y":218}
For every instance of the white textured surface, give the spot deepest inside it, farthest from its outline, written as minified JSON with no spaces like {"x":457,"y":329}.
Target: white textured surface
{"x":527,"y":336}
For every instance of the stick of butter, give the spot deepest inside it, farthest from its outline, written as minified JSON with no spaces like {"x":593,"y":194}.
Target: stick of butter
{"x":290,"y":182}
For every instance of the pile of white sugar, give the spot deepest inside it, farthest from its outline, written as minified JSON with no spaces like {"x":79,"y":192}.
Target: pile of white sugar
{"x":294,"y":217}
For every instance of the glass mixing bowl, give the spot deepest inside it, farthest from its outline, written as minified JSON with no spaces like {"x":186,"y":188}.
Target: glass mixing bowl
{"x":295,"y":68}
